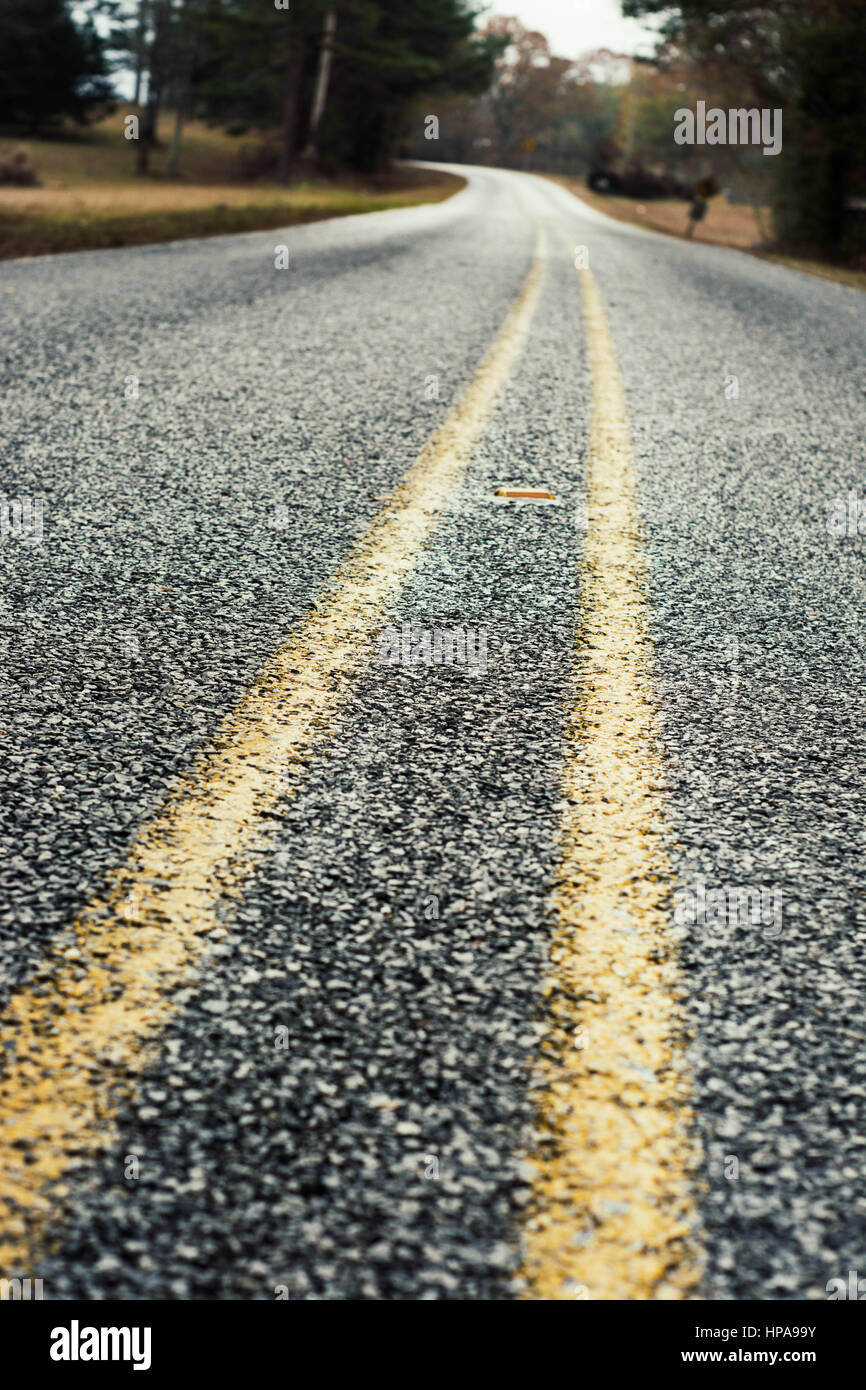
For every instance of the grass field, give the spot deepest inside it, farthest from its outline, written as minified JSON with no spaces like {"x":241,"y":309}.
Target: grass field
{"x":726,"y":224}
{"x":89,"y":195}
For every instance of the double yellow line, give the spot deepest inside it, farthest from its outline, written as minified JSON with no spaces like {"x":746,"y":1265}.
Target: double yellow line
{"x":79,"y":1033}
{"x":611,"y":1213}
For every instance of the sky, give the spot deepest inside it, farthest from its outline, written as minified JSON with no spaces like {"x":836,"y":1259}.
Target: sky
{"x":573,"y":27}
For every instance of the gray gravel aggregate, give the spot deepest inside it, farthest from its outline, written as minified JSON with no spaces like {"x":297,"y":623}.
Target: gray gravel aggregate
{"x":396,"y":930}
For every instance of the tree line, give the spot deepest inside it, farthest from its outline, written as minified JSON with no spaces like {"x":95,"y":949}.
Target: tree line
{"x":613,"y":112}
{"x":807,"y":58}
{"x":333,"y":81}
{"x":339,"y":84}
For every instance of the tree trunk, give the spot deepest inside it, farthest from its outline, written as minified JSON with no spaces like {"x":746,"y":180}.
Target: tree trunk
{"x":291,"y":99}
{"x":322,"y":77}
{"x":837,"y":187}
{"x":174,"y":152}
{"x":155,"y":85}
{"x":140,"y":38}
{"x":181,"y":93}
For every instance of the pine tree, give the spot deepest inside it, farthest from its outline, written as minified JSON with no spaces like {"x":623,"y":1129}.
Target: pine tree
{"x":262,"y":64}
{"x":50,"y":67}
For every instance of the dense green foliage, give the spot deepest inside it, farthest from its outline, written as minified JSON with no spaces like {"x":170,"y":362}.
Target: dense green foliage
{"x":807,"y":58}
{"x":50,"y":66}
{"x":343,"y":83}
{"x":247,"y":62}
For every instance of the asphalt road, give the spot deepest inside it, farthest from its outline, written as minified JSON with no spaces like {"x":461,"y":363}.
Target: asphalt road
{"x":340,"y":1097}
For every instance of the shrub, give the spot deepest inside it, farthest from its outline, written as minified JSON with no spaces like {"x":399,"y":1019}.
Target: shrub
{"x":15,"y":167}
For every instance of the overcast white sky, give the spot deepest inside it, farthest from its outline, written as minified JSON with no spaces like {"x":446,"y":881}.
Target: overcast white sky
{"x":573,"y":27}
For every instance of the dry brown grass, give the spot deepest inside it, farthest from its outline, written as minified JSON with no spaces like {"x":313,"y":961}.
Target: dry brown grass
{"x":133,"y":198}
{"x":119,"y":197}
{"x":726,"y":224}
{"x":100,"y":154}
{"x":90,"y":198}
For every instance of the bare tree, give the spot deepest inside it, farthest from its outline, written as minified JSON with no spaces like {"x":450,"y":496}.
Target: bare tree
{"x":323,"y":74}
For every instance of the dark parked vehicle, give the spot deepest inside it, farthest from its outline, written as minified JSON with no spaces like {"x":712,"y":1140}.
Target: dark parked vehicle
{"x":637,"y":182}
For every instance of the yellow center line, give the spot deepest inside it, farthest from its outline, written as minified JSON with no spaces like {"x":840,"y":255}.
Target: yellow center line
{"x":612,"y":1215}
{"x":76,"y":1036}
